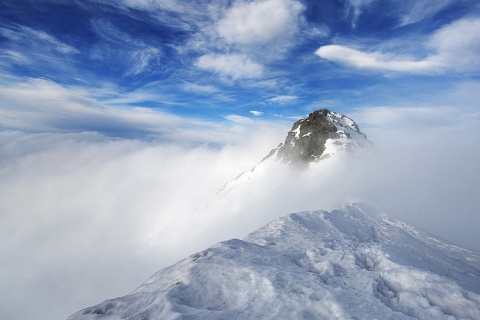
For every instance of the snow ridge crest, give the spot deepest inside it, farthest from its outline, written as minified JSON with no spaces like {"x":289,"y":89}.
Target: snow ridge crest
{"x":350,"y":263}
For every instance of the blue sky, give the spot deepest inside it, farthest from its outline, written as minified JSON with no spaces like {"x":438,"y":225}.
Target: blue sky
{"x":130,"y":68}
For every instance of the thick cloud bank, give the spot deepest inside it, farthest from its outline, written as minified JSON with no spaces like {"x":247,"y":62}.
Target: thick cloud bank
{"x":85,"y":217}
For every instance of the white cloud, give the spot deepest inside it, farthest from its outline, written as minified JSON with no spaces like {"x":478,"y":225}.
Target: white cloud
{"x":260,"y":21}
{"x":234,"y":66}
{"x":256,"y":113}
{"x":372,"y":60}
{"x":283,"y":99}
{"x":456,"y":47}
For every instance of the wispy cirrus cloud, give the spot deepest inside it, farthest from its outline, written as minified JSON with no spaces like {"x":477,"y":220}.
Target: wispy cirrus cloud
{"x":171,"y":5}
{"x":10,"y":57}
{"x":455,"y":47}
{"x":34,"y":48}
{"x":136,"y":54}
{"x":181,"y":15}
{"x":45,"y":52}
{"x":23,"y":35}
{"x":355,"y":8}
{"x":422,"y":9}
{"x":406,"y":12}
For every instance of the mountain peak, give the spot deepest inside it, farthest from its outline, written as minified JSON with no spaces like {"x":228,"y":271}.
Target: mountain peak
{"x":319,"y":136}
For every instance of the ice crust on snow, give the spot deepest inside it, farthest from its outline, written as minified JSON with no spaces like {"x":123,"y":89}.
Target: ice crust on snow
{"x":350,"y":263}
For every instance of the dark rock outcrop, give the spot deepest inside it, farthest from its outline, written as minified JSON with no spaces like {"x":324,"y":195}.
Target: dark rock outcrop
{"x":306,"y":141}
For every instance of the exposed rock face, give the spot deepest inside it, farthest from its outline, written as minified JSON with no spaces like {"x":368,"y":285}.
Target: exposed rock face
{"x":318,"y":136}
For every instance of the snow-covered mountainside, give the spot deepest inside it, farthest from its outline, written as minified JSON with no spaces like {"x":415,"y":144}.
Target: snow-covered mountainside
{"x":350,"y":263}
{"x":323,"y":135}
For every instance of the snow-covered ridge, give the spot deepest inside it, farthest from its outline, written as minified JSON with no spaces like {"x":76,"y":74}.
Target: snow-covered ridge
{"x":351,"y":263}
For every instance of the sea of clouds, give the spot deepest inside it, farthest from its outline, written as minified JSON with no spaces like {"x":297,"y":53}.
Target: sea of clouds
{"x":86,"y":217}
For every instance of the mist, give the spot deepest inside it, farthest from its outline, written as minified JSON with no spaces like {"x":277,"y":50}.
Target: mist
{"x":87,"y":217}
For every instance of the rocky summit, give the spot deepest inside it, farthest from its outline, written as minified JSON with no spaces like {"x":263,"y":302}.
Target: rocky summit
{"x":318,"y":137}
{"x":322,"y":135}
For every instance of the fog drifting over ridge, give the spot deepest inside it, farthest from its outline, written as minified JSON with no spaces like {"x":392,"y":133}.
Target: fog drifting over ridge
{"x":86,"y":217}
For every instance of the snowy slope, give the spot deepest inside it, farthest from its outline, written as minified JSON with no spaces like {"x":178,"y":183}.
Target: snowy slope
{"x":351,"y":263}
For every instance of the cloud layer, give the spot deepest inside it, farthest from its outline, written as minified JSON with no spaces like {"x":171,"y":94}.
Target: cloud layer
{"x":85,"y":217}
{"x":94,"y":216}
